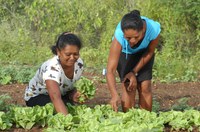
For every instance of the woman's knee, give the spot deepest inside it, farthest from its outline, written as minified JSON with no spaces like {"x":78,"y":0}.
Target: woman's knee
{"x":145,"y":87}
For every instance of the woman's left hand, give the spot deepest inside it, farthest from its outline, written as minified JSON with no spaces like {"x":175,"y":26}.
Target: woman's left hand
{"x":133,"y":81}
{"x":76,"y":97}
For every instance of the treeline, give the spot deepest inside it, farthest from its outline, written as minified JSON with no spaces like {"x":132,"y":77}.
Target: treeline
{"x":28,"y":28}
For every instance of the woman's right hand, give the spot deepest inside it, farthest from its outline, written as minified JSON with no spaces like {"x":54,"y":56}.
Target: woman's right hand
{"x":132,"y":84}
{"x":114,"y":102}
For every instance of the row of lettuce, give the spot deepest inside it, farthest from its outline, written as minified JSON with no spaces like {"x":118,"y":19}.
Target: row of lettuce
{"x":100,"y":118}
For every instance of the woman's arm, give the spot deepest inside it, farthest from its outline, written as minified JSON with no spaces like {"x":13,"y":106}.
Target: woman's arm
{"x":143,"y":61}
{"x":113,"y":59}
{"x":55,"y":95}
{"x":147,"y":56}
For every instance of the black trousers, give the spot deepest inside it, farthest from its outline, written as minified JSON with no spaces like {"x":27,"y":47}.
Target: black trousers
{"x":42,"y":99}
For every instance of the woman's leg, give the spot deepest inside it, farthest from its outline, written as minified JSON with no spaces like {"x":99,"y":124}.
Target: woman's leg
{"x":145,"y":95}
{"x":126,"y":65}
{"x":40,"y":100}
{"x":128,"y":98}
{"x":69,"y":97}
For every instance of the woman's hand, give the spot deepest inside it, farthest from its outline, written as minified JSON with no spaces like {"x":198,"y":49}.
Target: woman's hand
{"x":131,"y":79}
{"x":114,"y":102}
{"x":76,"y":97}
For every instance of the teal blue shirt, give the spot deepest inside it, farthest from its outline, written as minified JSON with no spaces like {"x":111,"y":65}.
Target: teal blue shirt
{"x":152,"y":31}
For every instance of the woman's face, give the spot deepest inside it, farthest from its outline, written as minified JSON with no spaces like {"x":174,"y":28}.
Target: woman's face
{"x":133,"y":36}
{"x":68,"y":55}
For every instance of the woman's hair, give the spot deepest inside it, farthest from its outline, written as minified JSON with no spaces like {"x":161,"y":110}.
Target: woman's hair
{"x":66,"y":38}
{"x":132,"y":20}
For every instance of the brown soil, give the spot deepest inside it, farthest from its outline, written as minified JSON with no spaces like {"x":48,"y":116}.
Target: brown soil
{"x":167,"y":95}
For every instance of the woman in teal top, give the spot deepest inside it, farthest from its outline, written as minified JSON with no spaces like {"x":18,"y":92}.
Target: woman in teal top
{"x":132,"y":55}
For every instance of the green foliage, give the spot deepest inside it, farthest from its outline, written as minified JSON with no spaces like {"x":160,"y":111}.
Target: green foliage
{"x":181,"y":105}
{"x":24,"y":75}
{"x":13,"y":74}
{"x":100,"y":118}
{"x":6,"y":75}
{"x":174,"y":70}
{"x":60,"y":121}
{"x":89,"y":21}
{"x":181,"y":120}
{"x":28,"y":28}
{"x":4,"y":121}
{"x":3,"y":104}
{"x":19,"y":46}
{"x":27,"y":117}
{"x":98,"y":58}
{"x":155,"y":106}
{"x":178,"y":54}
{"x":86,"y":88}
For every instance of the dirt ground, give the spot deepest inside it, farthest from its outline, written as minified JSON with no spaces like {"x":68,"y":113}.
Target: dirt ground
{"x":167,"y":95}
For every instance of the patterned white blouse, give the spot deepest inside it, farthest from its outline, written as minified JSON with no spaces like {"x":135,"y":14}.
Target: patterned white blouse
{"x":52,"y":70}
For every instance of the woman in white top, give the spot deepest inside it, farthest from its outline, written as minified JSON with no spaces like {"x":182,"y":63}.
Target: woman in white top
{"x":53,"y":81}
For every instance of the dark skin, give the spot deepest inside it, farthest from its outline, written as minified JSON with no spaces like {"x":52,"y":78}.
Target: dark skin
{"x":68,"y":56}
{"x":129,"y":90}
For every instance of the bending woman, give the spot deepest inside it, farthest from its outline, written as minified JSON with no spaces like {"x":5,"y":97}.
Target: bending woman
{"x":132,"y":55}
{"x":53,"y":81}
